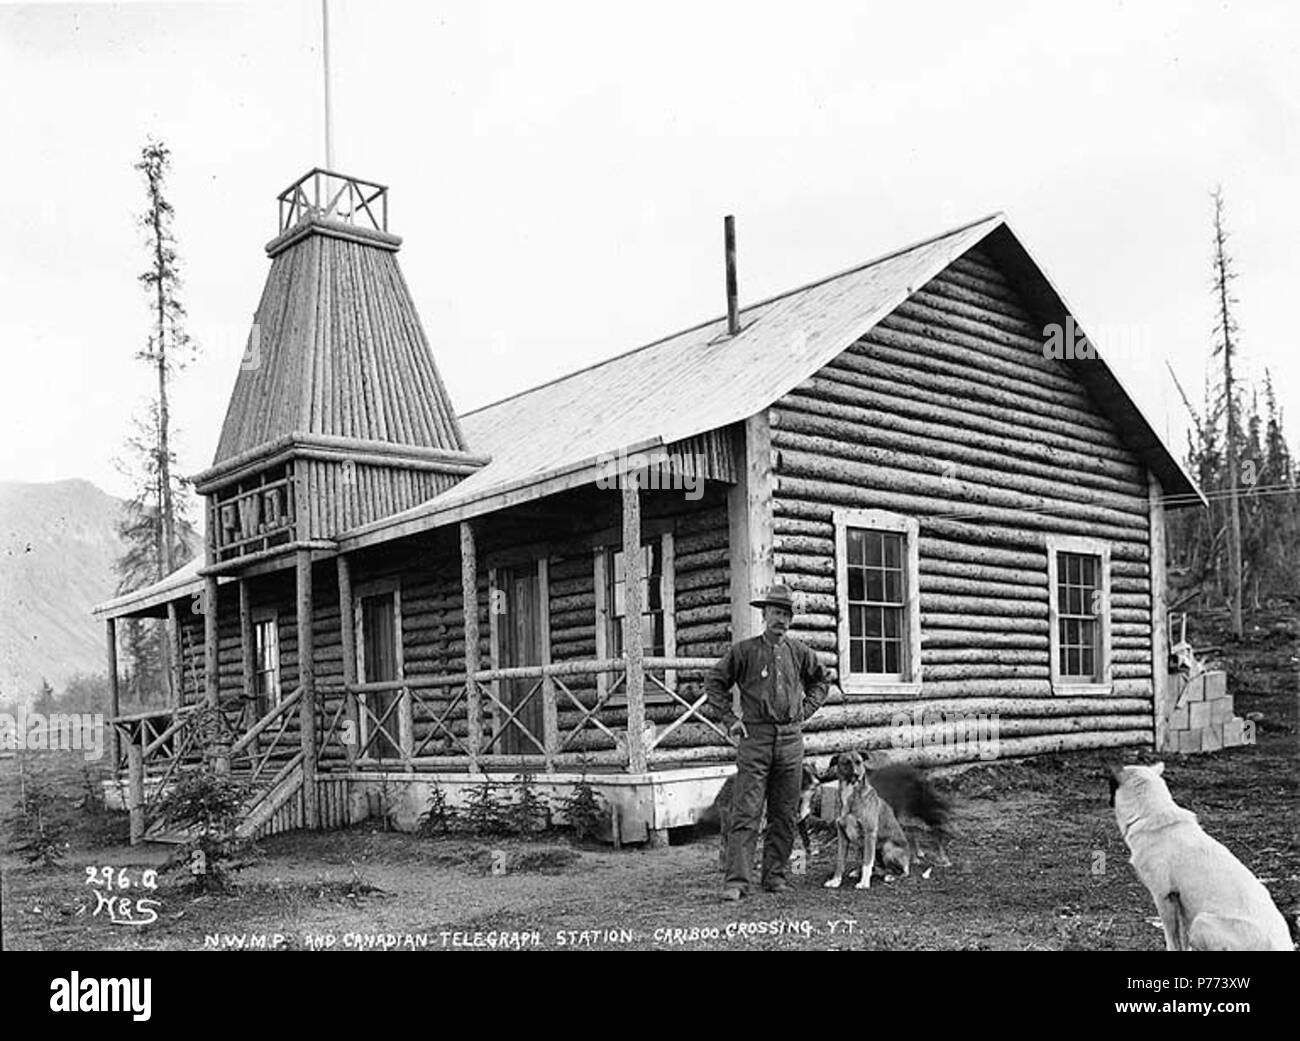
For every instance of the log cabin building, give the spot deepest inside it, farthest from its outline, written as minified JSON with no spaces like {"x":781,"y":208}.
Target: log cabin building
{"x":395,"y":595}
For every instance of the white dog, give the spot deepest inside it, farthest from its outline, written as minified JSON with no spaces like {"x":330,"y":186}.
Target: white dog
{"x":1207,"y":899}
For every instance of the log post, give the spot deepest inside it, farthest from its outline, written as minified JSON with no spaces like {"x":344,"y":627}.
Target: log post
{"x":347,"y":631}
{"x":550,"y":711}
{"x":114,"y":696}
{"x":749,"y":522}
{"x":469,"y":614}
{"x":248,"y":657}
{"x":211,"y":675}
{"x":307,"y":681}
{"x":135,"y":784}
{"x":1159,"y":613}
{"x":174,"y":663}
{"x":633,"y":648}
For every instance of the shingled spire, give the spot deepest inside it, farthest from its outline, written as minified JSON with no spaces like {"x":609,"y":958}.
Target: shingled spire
{"x":338,"y":403}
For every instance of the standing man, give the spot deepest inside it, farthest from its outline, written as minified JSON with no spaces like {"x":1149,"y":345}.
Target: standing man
{"x":781,"y":684}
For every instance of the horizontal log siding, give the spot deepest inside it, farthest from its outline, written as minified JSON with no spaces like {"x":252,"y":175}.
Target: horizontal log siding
{"x":948,"y":412}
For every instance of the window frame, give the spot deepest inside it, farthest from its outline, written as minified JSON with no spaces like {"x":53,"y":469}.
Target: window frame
{"x":1083,"y":546}
{"x":602,"y":560}
{"x":867,"y":684}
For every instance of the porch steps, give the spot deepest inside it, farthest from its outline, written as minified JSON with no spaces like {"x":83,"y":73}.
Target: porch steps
{"x":278,"y":809}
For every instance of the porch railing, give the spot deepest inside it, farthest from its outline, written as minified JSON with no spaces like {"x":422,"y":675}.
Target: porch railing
{"x":422,"y":722}
{"x":157,"y":747}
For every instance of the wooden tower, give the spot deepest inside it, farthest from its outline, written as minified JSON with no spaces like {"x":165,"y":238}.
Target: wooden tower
{"x":338,"y":416}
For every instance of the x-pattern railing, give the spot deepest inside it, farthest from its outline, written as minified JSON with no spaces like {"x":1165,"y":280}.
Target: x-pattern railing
{"x":440,"y":728}
{"x":692,"y":709}
{"x":511,"y":715}
{"x":433,"y":712}
{"x":589,"y":712}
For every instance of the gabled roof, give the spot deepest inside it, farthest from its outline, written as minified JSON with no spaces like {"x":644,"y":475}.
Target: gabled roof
{"x":558,"y":435}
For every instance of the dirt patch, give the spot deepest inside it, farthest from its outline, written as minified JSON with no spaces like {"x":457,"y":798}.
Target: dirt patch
{"x":1038,"y":864}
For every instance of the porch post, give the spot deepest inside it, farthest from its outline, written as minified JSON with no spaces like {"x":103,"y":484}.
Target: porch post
{"x":247,"y":654}
{"x":212,"y":677}
{"x":469,"y":614}
{"x":349,"y":637}
{"x":1159,"y":614}
{"x":307,"y":681}
{"x":114,"y":696}
{"x":135,"y":783}
{"x":175,"y":665}
{"x":632,"y":643}
{"x":749,"y":517}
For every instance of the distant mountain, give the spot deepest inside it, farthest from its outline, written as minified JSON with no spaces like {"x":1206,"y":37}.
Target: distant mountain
{"x":58,"y":542}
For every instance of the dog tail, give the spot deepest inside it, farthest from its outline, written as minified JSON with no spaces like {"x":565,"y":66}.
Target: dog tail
{"x":932,"y":807}
{"x":908,"y":790}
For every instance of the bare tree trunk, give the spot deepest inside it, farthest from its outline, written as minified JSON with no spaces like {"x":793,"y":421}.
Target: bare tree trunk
{"x":1222,"y":275}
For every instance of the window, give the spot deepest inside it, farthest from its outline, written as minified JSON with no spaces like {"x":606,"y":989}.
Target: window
{"x":652,"y":599}
{"x":658,"y":625}
{"x":878,"y":602}
{"x":1079,"y":613}
{"x":266,"y":663}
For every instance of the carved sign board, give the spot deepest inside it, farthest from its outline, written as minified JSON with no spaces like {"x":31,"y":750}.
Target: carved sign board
{"x":250,"y":519}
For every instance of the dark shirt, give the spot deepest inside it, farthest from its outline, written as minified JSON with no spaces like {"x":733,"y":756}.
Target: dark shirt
{"x":780,"y":682}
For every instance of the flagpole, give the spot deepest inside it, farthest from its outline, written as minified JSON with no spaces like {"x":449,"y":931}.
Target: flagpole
{"x":325,"y":51}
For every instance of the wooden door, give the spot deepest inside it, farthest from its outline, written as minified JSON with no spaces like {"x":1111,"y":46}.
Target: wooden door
{"x":521,"y":644}
{"x":380,"y":661}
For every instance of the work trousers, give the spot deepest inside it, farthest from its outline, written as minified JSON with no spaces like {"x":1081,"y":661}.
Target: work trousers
{"x":769,"y":765}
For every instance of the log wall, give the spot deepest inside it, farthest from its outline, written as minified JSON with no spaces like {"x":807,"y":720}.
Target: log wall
{"x":948,"y":412}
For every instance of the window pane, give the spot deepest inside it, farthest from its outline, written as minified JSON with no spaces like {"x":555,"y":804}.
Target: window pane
{"x":856,"y":541}
{"x":893,"y":550}
{"x":875,"y":586}
{"x":891,"y":657}
{"x":654,"y":593}
{"x":874,"y":624}
{"x":1086,"y":667}
{"x":875,"y":551}
{"x":893,"y":622}
{"x":857,"y":585}
{"x":857,"y":621}
{"x":875,"y":658}
{"x":894,"y":587}
{"x":857,"y":656}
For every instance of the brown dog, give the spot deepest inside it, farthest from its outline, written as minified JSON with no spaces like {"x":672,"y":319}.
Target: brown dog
{"x":864,"y":817}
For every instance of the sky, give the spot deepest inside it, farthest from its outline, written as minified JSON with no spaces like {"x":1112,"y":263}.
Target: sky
{"x":559,"y":173}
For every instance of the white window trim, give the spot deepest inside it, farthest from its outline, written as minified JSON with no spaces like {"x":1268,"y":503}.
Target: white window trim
{"x":1094,"y":547}
{"x":600,"y":555}
{"x":405,"y":715}
{"x":881,"y":520}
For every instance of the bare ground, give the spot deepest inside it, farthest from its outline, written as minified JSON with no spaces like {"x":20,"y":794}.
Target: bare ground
{"x":1038,"y":865}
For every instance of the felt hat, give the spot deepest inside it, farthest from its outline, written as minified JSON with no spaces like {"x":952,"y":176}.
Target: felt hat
{"x":776,"y":596}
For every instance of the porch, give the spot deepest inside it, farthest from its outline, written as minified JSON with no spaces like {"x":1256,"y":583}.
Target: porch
{"x":654,"y":770}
